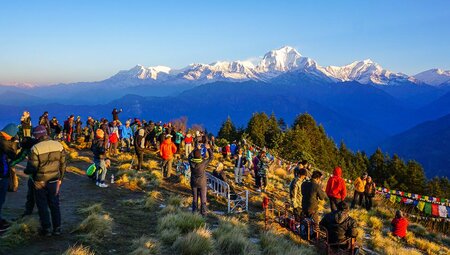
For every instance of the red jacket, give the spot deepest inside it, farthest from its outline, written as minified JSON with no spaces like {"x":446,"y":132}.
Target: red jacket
{"x":188,"y":139}
{"x":336,"y":185}
{"x":167,"y":149}
{"x":399,"y":226}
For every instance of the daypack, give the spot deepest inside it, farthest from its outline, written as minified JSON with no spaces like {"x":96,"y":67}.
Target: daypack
{"x":91,"y":170}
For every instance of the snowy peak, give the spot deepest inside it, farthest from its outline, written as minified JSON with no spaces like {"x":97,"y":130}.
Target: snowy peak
{"x":434,"y":77}
{"x":283,"y":59}
{"x":273,"y":64}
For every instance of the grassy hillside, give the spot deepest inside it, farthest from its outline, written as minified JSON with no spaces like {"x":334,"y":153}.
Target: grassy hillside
{"x":142,"y":213}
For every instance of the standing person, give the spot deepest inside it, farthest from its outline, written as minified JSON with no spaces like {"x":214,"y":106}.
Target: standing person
{"x":358,"y":196}
{"x":178,"y":138}
{"x":98,"y":149}
{"x":399,"y":225}
{"x":239,"y":164}
{"x":44,"y":121}
{"x":25,"y":122}
{"x":55,"y":128}
{"x":68,"y":128}
{"x":336,"y":189}
{"x":255,"y":162}
{"x":233,"y":148}
{"x":369,"y":193}
{"x":126,"y":134}
{"x":78,"y":128}
{"x":295,"y":191}
{"x":188,"y":144}
{"x":166,"y":151}
{"x":47,"y":165}
{"x":8,"y":152}
{"x":115,"y":114}
{"x":312,"y":193}
{"x":263,"y":168}
{"x":198,"y":178}
{"x":114,"y":138}
{"x":249,"y":157}
{"x":139,"y":145}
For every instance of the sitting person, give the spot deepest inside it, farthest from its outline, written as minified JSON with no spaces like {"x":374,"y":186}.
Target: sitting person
{"x":339,"y":224}
{"x":399,"y":225}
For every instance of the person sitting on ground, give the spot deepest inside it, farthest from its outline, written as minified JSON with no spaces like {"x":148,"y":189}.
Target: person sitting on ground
{"x":312,"y":192}
{"x":399,"y":225}
{"x":167,"y":151}
{"x":295,"y":191}
{"x":98,"y":149}
{"x":336,"y":189}
{"x":218,"y":171}
{"x":198,"y":178}
{"x":359,"y":185}
{"x":369,"y":193}
{"x":339,"y":225}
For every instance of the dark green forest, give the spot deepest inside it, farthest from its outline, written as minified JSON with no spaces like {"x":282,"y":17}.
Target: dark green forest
{"x":306,"y":139}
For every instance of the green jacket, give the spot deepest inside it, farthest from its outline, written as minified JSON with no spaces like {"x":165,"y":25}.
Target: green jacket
{"x":295,"y":191}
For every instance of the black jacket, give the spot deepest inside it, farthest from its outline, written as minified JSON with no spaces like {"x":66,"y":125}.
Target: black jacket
{"x":47,"y":161}
{"x":312,"y":192}
{"x":243,"y":160}
{"x":8,"y":152}
{"x":339,"y":225}
{"x":198,"y":169}
{"x":98,"y":148}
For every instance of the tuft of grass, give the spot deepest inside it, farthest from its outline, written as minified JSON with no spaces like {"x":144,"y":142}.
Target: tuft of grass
{"x":125,"y":157}
{"x":20,"y":232}
{"x":389,"y":245}
{"x":184,"y":221}
{"x":175,"y":200}
{"x":425,"y":245}
{"x":197,"y":242}
{"x":281,"y":172}
{"x":170,"y":209}
{"x":152,"y":199}
{"x":75,"y":170}
{"x":232,"y":237}
{"x":79,"y":250}
{"x":95,"y":227}
{"x":145,"y":246}
{"x":124,"y":167}
{"x":131,"y":202}
{"x":92,"y":209}
{"x":273,"y":244}
{"x":169,"y":236}
{"x":73,"y":155}
{"x":375,"y":223}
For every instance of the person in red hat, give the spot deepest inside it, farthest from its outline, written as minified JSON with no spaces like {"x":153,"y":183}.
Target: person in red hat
{"x":336,"y":190}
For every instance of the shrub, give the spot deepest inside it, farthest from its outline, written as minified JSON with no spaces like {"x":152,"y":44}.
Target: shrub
{"x":20,"y":232}
{"x":197,"y":242}
{"x":145,"y":246}
{"x":79,"y":250}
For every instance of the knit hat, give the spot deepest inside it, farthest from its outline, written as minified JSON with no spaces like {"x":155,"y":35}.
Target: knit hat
{"x":39,"y":132}
{"x":100,"y":133}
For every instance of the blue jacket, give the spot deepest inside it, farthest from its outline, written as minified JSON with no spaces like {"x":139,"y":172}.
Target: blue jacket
{"x":126,"y":132}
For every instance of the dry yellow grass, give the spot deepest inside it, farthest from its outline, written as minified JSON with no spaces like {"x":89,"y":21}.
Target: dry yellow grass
{"x":152,"y":199}
{"x":388,"y":245}
{"x":125,"y":157}
{"x":79,"y":250}
{"x":197,"y":242}
{"x":281,"y":172}
{"x":20,"y":232}
{"x":145,"y":246}
{"x":92,"y":209}
{"x":75,"y":170}
{"x":95,"y":227}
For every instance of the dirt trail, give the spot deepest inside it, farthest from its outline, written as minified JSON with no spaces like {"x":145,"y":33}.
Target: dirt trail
{"x":77,"y":192}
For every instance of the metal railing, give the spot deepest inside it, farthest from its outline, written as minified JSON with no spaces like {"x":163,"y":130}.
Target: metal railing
{"x":222,"y":189}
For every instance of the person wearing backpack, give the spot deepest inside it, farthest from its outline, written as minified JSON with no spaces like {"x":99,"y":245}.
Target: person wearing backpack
{"x":336,"y":190}
{"x":198,"y":178}
{"x":139,"y":145}
{"x":8,"y":152}
{"x":295,"y":191}
{"x":98,"y":149}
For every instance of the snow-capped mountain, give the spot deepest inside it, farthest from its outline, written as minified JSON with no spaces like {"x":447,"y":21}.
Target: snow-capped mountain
{"x":285,"y":60}
{"x":434,"y":77}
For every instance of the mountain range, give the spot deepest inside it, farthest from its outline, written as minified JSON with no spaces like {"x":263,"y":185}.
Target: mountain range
{"x":361,"y":103}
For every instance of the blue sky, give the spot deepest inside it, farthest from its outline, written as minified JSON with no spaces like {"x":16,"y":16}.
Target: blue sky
{"x":66,"y":41}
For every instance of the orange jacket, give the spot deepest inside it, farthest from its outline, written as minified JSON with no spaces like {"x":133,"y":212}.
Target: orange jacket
{"x":167,"y":149}
{"x":336,"y":185}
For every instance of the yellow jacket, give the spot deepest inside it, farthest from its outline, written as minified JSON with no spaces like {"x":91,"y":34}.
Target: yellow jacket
{"x":359,"y":184}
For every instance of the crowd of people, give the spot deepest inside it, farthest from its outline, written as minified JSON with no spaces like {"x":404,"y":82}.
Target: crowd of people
{"x":46,"y":167}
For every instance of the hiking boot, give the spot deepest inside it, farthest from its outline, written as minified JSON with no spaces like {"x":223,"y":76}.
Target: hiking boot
{"x":103,"y":185}
{"x":97,"y":183}
{"x":57,"y":232}
{"x":45,"y":232}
